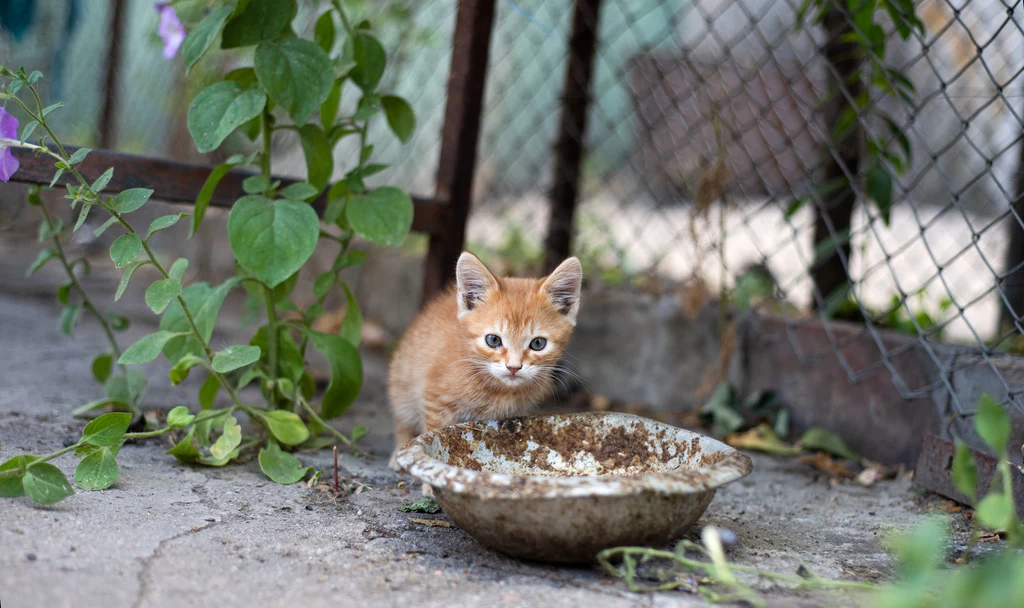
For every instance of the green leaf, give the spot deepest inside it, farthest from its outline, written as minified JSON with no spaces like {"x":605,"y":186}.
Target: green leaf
{"x":297,"y":75}
{"x":993,"y":424}
{"x":79,"y":156}
{"x":98,"y":470}
{"x":202,"y":36}
{"x":358,"y":433}
{"x":204,"y":302}
{"x":45,"y":484}
{"x":179,"y":417}
{"x":352,"y":324}
{"x":147,"y":348}
{"x":272,"y":239}
{"x":346,"y":373}
{"x":920,"y":551}
{"x":225,"y":448}
{"x":206,"y":195}
{"x":44,"y":256}
{"x":300,"y":191}
{"x":323,"y":31}
{"x":186,"y":450}
{"x":102,"y":366}
{"x":285,"y":426}
{"x":49,"y":231}
{"x":819,"y":440}
{"x":256,"y":184}
{"x":27,"y":131}
{"x":208,"y":392}
{"x":234,"y":357}
{"x":163,"y":223}
{"x":879,"y":188}
{"x":329,"y":108}
{"x":125,"y":249}
{"x":383,"y":216}
{"x":280,"y":466}
{"x":220,"y":109}
{"x":126,"y":388}
{"x":82,"y":216}
{"x":425,"y":505}
{"x":160,"y":293}
{"x":64,"y":293}
{"x":180,"y":370}
{"x":400,"y":117}
{"x":102,"y":181}
{"x":965,"y":471}
{"x":370,"y":61}
{"x":323,"y":283}
{"x":127,"y":275}
{"x":995,"y":511}
{"x":69,"y":317}
{"x":130,"y":200}
{"x":107,"y":224}
{"x":107,"y":430}
{"x":319,"y":158}
{"x":118,"y":322}
{"x":368,"y":107}
{"x":720,"y":411}
{"x":10,"y":487}
{"x":260,"y":20}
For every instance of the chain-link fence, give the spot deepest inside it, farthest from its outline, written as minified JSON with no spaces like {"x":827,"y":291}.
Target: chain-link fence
{"x":854,"y":161}
{"x":745,"y":147}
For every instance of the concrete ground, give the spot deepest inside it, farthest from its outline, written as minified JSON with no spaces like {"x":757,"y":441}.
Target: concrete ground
{"x":172,"y":535}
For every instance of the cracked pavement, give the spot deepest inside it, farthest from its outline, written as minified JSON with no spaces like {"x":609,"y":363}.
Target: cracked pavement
{"x":173,"y":535}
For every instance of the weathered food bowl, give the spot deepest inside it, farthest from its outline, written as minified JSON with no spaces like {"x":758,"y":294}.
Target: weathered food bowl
{"x":563,"y":487}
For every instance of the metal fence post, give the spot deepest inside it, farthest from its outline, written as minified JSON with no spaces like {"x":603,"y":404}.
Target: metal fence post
{"x":114,"y":62}
{"x":842,"y":52}
{"x":570,"y":146}
{"x":459,"y":137}
{"x":1013,"y":280}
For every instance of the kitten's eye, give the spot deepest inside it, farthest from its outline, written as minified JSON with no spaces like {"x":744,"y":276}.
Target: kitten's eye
{"x":492,"y":340}
{"x":538,"y":344}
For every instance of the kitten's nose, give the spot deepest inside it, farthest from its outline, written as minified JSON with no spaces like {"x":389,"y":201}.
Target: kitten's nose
{"x":514,"y":368}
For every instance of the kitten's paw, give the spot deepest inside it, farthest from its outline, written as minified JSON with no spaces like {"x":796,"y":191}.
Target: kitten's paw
{"x":393,"y":463}
{"x":428,"y":491}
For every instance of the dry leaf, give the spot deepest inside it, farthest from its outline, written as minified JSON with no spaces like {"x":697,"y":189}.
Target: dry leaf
{"x":761,"y":438}
{"x":826,"y":464}
{"x":868,"y":477}
{"x":434,"y":523}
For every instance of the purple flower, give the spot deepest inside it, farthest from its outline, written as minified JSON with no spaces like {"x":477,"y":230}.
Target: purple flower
{"x":171,"y":30}
{"x":8,"y":130}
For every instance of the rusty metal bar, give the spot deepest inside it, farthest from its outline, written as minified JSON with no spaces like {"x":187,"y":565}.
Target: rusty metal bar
{"x":180,"y":182}
{"x":459,"y":138}
{"x":115,"y":55}
{"x":569,"y":147}
{"x":842,"y":52}
{"x":936,"y":461}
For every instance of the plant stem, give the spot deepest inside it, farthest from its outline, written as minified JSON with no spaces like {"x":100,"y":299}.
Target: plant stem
{"x":153,"y":258}
{"x":709,"y":569}
{"x":312,"y":414}
{"x":86,"y":302}
{"x":272,"y":338}
{"x":265,"y":155}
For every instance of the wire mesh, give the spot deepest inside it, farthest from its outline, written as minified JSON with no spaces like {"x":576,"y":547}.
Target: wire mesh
{"x":706,"y":125}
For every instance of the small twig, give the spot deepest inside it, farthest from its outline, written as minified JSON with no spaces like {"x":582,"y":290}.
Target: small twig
{"x":337,"y":486}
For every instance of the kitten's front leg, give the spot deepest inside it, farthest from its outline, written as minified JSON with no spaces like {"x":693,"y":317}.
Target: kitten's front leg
{"x":404,"y":433}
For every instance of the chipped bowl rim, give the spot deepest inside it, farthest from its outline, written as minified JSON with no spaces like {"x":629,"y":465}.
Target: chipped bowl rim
{"x":414,"y":459}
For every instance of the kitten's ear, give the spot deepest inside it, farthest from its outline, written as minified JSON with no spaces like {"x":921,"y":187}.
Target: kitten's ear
{"x":563,"y":287}
{"x":473,"y":281}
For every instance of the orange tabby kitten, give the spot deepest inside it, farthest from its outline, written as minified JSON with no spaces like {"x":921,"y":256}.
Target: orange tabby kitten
{"x":485,"y":350}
